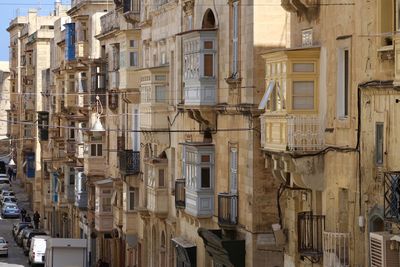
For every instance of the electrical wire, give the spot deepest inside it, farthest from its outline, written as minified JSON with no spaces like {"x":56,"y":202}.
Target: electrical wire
{"x":132,"y":131}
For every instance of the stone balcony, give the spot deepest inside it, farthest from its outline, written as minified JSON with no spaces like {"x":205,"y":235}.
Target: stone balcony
{"x":94,"y":166}
{"x":130,"y":222}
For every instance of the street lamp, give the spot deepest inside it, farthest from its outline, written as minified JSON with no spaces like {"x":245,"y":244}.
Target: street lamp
{"x":97,"y":126}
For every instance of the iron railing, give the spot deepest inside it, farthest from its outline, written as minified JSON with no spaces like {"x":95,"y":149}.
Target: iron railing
{"x":180,"y":198}
{"x":129,"y":162}
{"x":336,"y":249}
{"x":392,"y":196}
{"x":309,"y":230}
{"x":227,"y":209}
{"x":305,"y":133}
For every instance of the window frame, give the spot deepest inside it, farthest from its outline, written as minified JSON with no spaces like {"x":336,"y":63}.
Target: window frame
{"x":303,"y":80}
{"x":379,"y":153}
{"x":343,"y":82}
{"x":96,"y":154}
{"x":235,"y":39}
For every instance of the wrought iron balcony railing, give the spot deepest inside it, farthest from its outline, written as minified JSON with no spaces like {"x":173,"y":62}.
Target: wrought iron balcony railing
{"x":392,"y":196}
{"x":227,"y":209}
{"x":309,"y":229}
{"x":129,"y":162}
{"x":180,"y":201}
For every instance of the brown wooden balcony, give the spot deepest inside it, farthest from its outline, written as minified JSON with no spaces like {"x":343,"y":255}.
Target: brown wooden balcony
{"x":180,"y":201}
{"x":129,"y":162}
{"x":227,"y":209}
{"x":310,"y":228}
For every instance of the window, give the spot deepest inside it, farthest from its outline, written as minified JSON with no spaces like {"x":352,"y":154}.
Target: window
{"x":96,"y":150}
{"x":161,"y":178}
{"x":71,"y":176}
{"x":303,"y":95}
{"x":131,"y":200}
{"x":132,"y":43}
{"x":161,"y":94}
{"x":208,"y":65}
{"x":205,"y":178}
{"x":71,"y":131}
{"x":106,"y":204}
{"x":133,"y":59}
{"x":343,"y":81}
{"x":235,"y":38}
{"x":307,"y":37}
{"x":387,"y":18}
{"x":233,"y":166}
{"x":379,"y":131}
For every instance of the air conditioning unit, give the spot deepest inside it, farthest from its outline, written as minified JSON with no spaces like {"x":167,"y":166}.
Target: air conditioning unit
{"x":382,"y":254}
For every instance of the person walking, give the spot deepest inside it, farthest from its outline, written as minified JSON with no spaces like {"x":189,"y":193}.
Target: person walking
{"x":23,"y":214}
{"x":36,"y":219}
{"x":10,"y":174}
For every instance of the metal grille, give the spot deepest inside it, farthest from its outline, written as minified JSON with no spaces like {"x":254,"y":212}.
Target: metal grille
{"x":336,"y":249}
{"x":227,"y":209}
{"x":180,"y":193}
{"x":309,"y":230}
{"x":305,"y":133}
{"x":392,"y":196}
{"x":129,"y":161}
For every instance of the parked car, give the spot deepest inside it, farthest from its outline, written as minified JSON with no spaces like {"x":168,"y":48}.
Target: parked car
{"x":3,"y":247}
{"x":37,"y":250}
{"x":21,"y":235}
{"x":26,"y":240}
{"x":4,"y":182}
{"x":17,"y":227}
{"x":10,"y":211}
{"x":9,"y":199}
{"x":6,"y":193}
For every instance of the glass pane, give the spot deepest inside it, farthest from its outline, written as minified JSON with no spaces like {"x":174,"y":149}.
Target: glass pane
{"x":208,"y":45}
{"x":303,"y":88}
{"x":161,"y":178}
{"x":132,"y":200}
{"x":205,"y":158}
{"x":303,"y":102}
{"x":93,"y":150}
{"x":303,"y":67}
{"x":205,"y":178}
{"x":99,"y":150}
{"x":208,"y":65}
{"x":379,"y":143}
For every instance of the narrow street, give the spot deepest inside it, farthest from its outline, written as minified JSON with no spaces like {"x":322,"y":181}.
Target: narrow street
{"x":16,"y":257}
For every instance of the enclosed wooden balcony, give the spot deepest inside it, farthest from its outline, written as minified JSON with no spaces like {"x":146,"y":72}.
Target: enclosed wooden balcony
{"x":154,"y":94}
{"x":227,"y":210}
{"x":180,"y":201}
{"x":103,"y":208}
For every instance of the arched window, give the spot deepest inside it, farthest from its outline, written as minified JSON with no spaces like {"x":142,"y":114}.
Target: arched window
{"x":208,"y":20}
{"x":163,"y":249}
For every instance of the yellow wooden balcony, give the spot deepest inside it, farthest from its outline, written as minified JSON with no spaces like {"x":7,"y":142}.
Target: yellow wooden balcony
{"x":293,"y":133}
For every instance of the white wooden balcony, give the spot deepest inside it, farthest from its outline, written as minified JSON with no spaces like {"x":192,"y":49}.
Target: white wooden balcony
{"x":336,"y":247}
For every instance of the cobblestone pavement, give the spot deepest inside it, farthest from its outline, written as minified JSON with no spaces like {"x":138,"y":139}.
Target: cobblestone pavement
{"x":16,"y":257}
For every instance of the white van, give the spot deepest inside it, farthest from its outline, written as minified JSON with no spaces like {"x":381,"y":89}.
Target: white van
{"x":37,"y":250}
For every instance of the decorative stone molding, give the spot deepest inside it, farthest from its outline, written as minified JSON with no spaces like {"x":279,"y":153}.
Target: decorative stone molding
{"x":188,"y":7}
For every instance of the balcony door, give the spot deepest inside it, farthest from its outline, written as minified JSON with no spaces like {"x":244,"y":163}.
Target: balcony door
{"x":233,"y":166}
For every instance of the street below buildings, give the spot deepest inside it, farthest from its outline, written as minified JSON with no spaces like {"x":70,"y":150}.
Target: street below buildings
{"x":16,"y":257}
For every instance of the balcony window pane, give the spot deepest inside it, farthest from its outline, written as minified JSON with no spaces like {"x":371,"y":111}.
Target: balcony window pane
{"x":303,"y":67}
{"x":161,"y":94}
{"x":205,"y":158}
{"x":99,"y":150}
{"x":303,"y":95}
{"x":93,"y":150}
{"x":106,"y":204}
{"x":208,"y":45}
{"x":131,"y":198}
{"x":208,"y":65}
{"x":161,"y":178}
{"x":379,"y":143}
{"x":205,"y":178}
{"x":133,"y":59}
